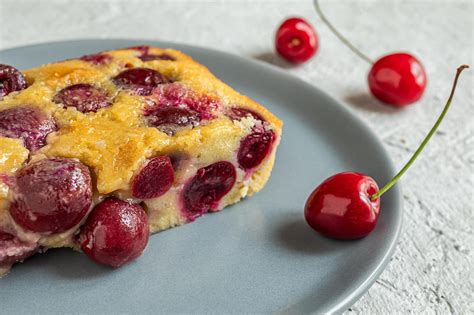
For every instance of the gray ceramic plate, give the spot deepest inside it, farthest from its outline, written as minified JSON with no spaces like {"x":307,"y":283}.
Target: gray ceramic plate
{"x":256,"y":256}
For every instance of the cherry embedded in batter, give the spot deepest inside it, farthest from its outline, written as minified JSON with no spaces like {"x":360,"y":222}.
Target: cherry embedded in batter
{"x":97,"y":59}
{"x":204,"y":191}
{"x":254,"y":148}
{"x":84,"y":97}
{"x":296,"y":40}
{"x":28,"y":123}
{"x":151,"y":57}
{"x":11,"y":80}
{"x":237,"y":113}
{"x":154,"y":179}
{"x":13,"y":250}
{"x":140,"y":80}
{"x":115,"y":233}
{"x":169,"y":119}
{"x":347,"y":205}
{"x":51,"y":195}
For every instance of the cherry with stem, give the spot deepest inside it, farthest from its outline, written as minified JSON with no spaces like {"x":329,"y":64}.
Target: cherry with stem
{"x":347,"y":205}
{"x":396,"y":79}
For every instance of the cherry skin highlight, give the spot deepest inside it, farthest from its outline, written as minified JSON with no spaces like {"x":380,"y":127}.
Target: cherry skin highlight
{"x":397,"y":79}
{"x":296,"y":40}
{"x":341,"y":207}
{"x":115,"y":233}
{"x":347,"y":205}
{"x":51,"y":195}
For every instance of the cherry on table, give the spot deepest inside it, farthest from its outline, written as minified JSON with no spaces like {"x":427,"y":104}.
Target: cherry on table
{"x":397,"y":79}
{"x":347,"y":205}
{"x":140,"y":80}
{"x":296,"y":40}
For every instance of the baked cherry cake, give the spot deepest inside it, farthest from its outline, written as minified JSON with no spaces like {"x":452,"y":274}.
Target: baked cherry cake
{"x":100,"y":151}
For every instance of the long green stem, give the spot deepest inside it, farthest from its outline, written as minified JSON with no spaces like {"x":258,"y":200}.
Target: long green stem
{"x":425,"y":141}
{"x":339,"y":35}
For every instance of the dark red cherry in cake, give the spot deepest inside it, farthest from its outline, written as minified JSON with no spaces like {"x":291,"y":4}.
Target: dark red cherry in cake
{"x":51,"y":195}
{"x":28,"y":123}
{"x":346,"y":206}
{"x":296,"y":40}
{"x":84,"y":97}
{"x":154,"y":179}
{"x":204,"y":191}
{"x":13,"y":250}
{"x":97,"y":59}
{"x":254,"y":148}
{"x":397,"y":79}
{"x":151,"y":57}
{"x":11,"y":80}
{"x":169,"y":119}
{"x":341,"y":207}
{"x":237,"y":113}
{"x":140,"y":80}
{"x":115,"y":233}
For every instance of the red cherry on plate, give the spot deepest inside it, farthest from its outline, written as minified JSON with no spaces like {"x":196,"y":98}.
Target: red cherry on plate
{"x":296,"y":40}
{"x":115,"y":233}
{"x":346,"y":206}
{"x":341,"y":207}
{"x":397,"y":79}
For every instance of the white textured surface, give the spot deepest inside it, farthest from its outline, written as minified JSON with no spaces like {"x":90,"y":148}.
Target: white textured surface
{"x":431,"y":270}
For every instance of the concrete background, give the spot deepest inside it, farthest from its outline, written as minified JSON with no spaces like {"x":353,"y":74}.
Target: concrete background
{"x":431,"y":271}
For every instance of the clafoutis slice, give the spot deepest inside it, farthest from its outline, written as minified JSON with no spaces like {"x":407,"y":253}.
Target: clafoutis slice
{"x":100,"y":151}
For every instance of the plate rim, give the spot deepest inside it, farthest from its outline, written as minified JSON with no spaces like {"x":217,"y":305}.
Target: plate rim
{"x":357,"y":293}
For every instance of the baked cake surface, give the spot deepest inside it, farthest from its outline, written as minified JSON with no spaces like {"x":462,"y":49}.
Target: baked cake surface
{"x":143,"y":124}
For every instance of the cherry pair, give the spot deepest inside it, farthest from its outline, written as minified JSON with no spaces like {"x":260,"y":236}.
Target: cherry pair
{"x":397,"y":79}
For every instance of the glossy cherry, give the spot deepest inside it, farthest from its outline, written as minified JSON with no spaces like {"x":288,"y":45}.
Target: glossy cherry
{"x":341,"y":207}
{"x":347,"y":205}
{"x":296,"y":40}
{"x":397,"y":79}
{"x":115,"y":233}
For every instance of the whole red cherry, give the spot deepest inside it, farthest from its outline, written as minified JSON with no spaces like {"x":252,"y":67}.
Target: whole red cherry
{"x":115,"y":233}
{"x":346,"y":206}
{"x":397,"y":79}
{"x":296,"y":40}
{"x":341,"y":207}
